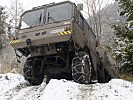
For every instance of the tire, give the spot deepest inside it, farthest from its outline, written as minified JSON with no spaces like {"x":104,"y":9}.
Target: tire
{"x":107,"y":77}
{"x":81,"y":68}
{"x":101,"y":76}
{"x":33,"y":76}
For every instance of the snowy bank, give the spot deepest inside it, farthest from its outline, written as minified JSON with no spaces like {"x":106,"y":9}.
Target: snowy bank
{"x":116,"y":89}
{"x":14,"y":87}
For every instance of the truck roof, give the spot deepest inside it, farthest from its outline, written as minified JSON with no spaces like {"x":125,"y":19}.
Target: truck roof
{"x":46,"y":5}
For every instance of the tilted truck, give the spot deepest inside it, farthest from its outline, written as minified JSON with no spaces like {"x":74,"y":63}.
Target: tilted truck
{"x":59,"y":44}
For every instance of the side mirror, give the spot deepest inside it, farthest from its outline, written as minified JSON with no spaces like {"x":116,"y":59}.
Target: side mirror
{"x":80,"y":6}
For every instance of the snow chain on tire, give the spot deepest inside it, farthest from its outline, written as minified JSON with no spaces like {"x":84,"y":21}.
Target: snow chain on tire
{"x":81,"y":68}
{"x":34,"y":79}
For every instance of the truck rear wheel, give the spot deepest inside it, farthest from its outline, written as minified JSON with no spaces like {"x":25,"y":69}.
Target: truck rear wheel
{"x":81,"y":68}
{"x":32,"y":72}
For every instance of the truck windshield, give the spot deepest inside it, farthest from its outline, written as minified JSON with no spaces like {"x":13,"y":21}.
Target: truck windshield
{"x":32,"y":18}
{"x":51,"y":14}
{"x":59,"y":13}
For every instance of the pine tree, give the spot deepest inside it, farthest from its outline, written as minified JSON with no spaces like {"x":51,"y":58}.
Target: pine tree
{"x":124,"y":32}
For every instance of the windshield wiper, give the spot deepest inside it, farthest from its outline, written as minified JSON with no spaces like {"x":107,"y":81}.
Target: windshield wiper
{"x":50,"y":17}
{"x":37,"y":21}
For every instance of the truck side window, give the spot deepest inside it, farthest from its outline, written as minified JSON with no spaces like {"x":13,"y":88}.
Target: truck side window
{"x":80,"y":20}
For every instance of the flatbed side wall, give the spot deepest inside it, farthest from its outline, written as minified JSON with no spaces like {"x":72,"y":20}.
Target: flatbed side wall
{"x":85,"y":36}
{"x":78,"y":35}
{"x":91,"y":43}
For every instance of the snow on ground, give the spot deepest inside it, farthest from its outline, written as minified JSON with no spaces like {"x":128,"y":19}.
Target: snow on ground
{"x":116,"y":89}
{"x":14,"y":87}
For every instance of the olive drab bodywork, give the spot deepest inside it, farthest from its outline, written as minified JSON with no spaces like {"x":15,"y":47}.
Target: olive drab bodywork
{"x":59,"y":43}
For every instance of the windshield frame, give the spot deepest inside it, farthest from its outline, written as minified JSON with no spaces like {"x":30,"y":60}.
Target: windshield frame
{"x":33,"y":10}
{"x":45,"y":16}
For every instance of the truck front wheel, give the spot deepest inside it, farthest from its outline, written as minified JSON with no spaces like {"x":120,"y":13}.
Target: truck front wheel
{"x":32,"y":73}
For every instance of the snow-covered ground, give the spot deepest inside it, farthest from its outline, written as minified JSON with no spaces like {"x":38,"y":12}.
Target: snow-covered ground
{"x":14,"y":87}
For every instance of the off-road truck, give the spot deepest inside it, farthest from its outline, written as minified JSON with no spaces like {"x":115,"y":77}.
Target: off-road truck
{"x":59,"y":43}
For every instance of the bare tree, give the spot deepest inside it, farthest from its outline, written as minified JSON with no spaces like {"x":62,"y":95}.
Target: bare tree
{"x":15,"y":10}
{"x":94,"y":17}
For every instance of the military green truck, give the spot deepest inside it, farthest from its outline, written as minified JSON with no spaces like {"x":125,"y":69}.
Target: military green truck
{"x":59,"y":44}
